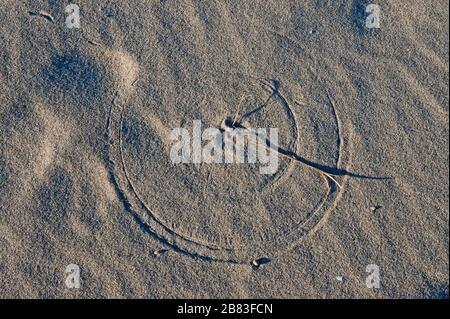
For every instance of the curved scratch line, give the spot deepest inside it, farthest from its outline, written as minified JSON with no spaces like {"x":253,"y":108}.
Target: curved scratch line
{"x":283,"y":175}
{"x":133,"y":189}
{"x":328,"y":198}
{"x":327,"y":212}
{"x":147,"y":227}
{"x":187,"y":251}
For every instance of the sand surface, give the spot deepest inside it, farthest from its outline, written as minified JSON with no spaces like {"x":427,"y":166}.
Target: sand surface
{"x":86,"y":177}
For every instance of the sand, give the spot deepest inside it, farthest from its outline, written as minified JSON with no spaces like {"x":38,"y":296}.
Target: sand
{"x":86,"y":177}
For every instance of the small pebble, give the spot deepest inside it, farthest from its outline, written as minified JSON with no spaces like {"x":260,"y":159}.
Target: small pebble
{"x":256,"y":263}
{"x":375,"y":208}
{"x":160,"y":252}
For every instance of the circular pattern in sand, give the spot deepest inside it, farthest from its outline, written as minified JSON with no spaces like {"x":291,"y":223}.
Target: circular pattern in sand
{"x":226,"y":212}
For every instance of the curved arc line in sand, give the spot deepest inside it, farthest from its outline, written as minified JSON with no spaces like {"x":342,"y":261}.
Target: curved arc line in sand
{"x":156,"y":228}
{"x":290,"y":167}
{"x":322,"y":209}
{"x":144,"y":205}
{"x":330,"y":198}
{"x":206,"y":251}
{"x":301,"y":228}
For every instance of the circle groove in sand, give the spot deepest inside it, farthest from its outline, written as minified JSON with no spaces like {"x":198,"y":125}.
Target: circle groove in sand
{"x":195,"y":247}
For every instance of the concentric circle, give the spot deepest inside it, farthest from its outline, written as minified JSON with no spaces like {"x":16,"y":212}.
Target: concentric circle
{"x":227,"y":212}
